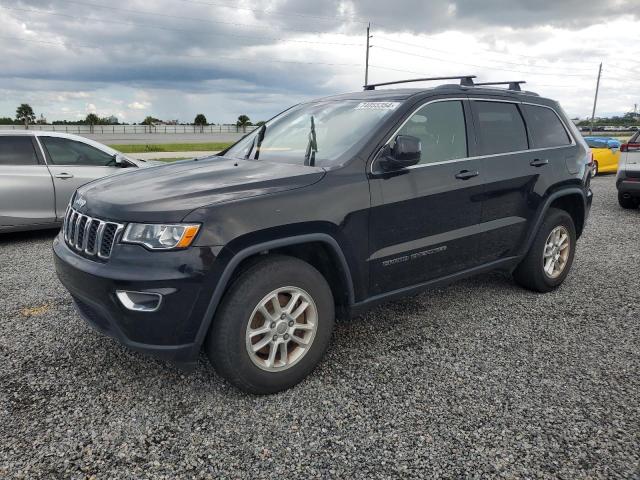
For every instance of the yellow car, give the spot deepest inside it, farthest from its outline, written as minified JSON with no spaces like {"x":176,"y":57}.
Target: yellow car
{"x":606,"y":154}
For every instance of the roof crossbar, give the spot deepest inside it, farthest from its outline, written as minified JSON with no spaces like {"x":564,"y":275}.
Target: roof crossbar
{"x":513,"y":85}
{"x":465,"y":81}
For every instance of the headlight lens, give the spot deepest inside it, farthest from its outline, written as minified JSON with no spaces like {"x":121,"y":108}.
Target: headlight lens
{"x":160,"y":237}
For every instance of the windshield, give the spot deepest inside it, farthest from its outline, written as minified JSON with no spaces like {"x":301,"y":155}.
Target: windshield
{"x":338,"y":126}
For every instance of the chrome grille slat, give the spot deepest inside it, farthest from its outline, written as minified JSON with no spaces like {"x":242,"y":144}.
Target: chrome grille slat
{"x":76,"y":230}
{"x":77,"y":233}
{"x":99,"y":236}
{"x":85,"y":236}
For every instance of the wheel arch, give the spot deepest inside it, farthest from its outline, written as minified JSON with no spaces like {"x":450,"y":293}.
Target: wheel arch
{"x":571,"y":200}
{"x":298,"y":246}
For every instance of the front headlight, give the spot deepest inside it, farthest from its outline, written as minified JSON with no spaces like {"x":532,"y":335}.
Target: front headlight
{"x":160,"y":237}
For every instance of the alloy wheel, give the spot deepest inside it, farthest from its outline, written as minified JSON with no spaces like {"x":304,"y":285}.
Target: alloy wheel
{"x":281,"y":329}
{"x":556,"y":252}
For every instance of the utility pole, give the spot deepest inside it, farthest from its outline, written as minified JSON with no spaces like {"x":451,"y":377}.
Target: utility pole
{"x":595,"y":99}
{"x":366,"y":63}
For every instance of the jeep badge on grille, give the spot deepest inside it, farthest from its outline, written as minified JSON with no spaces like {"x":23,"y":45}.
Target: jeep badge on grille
{"x":79,"y":202}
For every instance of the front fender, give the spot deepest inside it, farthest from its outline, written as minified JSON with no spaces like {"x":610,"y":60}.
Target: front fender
{"x":236,"y":259}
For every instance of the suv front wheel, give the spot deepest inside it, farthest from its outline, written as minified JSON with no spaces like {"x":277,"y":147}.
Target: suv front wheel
{"x":273,"y":325}
{"x":549,"y":259}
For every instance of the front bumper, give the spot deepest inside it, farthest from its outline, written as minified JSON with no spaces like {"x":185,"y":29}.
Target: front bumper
{"x":185,"y":279}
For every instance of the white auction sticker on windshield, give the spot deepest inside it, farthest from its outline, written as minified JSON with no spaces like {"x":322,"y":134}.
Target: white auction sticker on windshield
{"x":377,"y":105}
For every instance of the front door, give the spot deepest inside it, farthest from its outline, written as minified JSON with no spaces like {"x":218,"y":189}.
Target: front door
{"x":424,"y":221}
{"x":73,"y":164}
{"x":26,"y":188}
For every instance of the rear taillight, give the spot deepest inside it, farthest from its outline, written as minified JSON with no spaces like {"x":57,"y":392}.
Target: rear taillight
{"x":629,"y":147}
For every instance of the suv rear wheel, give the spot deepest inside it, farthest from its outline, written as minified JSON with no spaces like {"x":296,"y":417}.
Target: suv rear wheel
{"x":273,"y":325}
{"x":550,"y":257}
{"x":627,"y":202}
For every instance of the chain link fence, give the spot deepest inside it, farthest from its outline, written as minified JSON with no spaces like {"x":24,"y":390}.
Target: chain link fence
{"x":133,"y":129}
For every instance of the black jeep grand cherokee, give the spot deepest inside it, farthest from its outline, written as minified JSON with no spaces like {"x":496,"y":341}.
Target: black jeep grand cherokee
{"x":330,"y":208}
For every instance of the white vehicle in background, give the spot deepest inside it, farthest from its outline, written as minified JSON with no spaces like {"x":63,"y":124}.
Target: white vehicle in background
{"x":39,"y":171}
{"x":628,"y":177}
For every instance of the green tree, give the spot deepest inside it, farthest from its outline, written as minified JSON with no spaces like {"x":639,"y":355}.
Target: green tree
{"x":92,"y":119}
{"x":24,"y":114}
{"x":201,"y":121}
{"x":149,"y":121}
{"x":243,"y":122}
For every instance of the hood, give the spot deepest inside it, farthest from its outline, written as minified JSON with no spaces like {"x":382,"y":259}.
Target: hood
{"x":168,"y":193}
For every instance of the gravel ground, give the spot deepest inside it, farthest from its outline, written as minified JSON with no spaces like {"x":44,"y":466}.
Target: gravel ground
{"x":481,"y":379}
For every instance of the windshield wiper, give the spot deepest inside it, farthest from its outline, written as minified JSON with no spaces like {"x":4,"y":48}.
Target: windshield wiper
{"x":260,"y":138}
{"x":257,"y":141}
{"x":312,"y":146}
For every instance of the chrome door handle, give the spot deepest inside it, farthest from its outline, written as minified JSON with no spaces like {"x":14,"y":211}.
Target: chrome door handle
{"x":63,"y":175}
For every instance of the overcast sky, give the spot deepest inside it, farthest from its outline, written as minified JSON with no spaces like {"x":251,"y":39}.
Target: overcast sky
{"x":175,"y":58}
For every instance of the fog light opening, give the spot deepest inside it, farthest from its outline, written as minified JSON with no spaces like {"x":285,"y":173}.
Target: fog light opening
{"x":139,"y":301}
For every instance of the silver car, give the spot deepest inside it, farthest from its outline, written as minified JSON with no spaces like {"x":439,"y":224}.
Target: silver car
{"x":39,"y":171}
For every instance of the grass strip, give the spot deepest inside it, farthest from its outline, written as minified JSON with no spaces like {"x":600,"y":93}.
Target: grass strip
{"x":172,"y":147}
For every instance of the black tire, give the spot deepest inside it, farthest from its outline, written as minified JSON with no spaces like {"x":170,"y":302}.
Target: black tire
{"x":226,"y":343}
{"x":595,"y":170}
{"x":628,"y":202}
{"x":530,"y":272}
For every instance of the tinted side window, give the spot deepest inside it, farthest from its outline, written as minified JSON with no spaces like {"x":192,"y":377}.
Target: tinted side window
{"x":499,"y":127}
{"x":441,"y":129}
{"x":17,"y":151}
{"x":63,"y":151}
{"x":545,"y":127}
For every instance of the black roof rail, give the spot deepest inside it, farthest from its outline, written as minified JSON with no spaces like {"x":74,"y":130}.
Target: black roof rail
{"x":465,"y":81}
{"x":513,"y":85}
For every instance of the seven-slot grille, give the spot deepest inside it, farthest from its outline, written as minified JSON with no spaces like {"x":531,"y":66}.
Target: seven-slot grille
{"x":90,"y":236}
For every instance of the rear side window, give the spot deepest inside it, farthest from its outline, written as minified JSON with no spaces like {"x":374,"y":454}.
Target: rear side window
{"x":500,"y":128}
{"x":17,"y":151}
{"x":441,"y":129}
{"x":545,"y":128}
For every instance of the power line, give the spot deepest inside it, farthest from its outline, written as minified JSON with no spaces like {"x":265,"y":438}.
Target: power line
{"x":585,"y":68}
{"x":448,"y":52}
{"x":479,"y":66}
{"x":90,"y":19}
{"x":534,"y":57}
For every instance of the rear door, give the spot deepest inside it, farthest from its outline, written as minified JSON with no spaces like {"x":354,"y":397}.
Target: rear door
{"x":521,"y":160}
{"x":73,"y":164}
{"x":26,"y":188}
{"x":424,"y":219}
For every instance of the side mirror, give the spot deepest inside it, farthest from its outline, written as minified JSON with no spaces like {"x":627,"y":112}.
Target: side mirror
{"x":120,"y":161}
{"x":405,"y":152}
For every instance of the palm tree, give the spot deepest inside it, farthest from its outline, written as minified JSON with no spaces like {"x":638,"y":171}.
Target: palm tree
{"x":200,"y":120}
{"x":24,"y":113}
{"x":244,"y":122}
{"x":92,"y":119}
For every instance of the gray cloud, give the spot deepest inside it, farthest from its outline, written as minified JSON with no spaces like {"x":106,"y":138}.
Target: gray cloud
{"x":247,"y":54}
